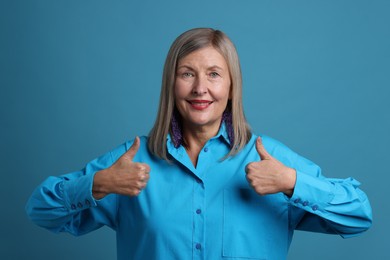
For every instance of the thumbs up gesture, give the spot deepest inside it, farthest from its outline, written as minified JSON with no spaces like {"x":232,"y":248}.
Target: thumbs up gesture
{"x":269,"y":176}
{"x":123,"y":177}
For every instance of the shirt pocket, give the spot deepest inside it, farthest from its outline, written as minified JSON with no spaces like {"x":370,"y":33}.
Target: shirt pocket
{"x":254,"y":226}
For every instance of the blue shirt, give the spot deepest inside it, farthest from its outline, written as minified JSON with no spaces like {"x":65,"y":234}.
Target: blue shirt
{"x":207,"y":212}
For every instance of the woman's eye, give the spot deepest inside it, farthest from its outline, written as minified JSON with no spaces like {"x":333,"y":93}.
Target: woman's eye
{"x":214,"y":74}
{"x":187,"y":75}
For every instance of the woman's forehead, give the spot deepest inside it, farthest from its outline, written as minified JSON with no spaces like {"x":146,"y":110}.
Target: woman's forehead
{"x":207,"y":56}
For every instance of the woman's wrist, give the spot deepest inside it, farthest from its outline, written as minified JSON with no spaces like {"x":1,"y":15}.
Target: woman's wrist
{"x":100,"y":184}
{"x":290,"y":180}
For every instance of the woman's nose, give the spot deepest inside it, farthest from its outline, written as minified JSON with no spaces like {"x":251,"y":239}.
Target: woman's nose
{"x":200,"y":86}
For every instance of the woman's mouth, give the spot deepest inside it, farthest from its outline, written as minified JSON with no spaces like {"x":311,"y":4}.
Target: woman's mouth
{"x":200,"y":104}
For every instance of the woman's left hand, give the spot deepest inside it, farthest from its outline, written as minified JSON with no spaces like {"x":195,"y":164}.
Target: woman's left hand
{"x":269,"y":176}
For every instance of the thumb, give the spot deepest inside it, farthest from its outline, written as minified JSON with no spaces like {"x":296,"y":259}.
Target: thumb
{"x":134,"y":148}
{"x":264,"y":155}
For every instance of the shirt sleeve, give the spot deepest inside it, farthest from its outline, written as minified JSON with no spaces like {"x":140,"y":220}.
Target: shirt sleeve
{"x":65,"y":203}
{"x":327,"y":205}
{"x":320,"y":204}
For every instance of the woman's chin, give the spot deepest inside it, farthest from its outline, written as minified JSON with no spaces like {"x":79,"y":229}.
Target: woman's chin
{"x":203,"y":122}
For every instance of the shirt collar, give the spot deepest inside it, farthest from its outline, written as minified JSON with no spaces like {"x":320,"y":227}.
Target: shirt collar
{"x":222,"y":133}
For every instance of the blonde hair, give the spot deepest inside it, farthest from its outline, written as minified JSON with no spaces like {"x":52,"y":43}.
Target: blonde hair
{"x":186,"y":43}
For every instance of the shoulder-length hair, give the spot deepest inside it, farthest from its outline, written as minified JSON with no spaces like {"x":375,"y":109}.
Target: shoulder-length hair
{"x":186,"y":43}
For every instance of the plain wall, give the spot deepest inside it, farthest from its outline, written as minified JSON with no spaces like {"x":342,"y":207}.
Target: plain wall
{"x":79,"y":78}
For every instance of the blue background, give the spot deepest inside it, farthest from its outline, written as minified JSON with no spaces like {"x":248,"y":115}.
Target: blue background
{"x":79,"y":78}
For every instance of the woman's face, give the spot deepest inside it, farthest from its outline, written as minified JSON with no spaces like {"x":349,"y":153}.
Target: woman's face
{"x":202,"y":88}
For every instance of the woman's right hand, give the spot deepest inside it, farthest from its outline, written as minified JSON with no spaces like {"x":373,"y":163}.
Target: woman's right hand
{"x":124,"y":177}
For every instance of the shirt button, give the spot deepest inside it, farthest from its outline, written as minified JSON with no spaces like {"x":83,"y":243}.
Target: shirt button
{"x":297,"y":200}
{"x":206,"y":149}
{"x":73,"y":206}
{"x":79,"y":205}
{"x":315,"y":207}
{"x":87,"y":202}
{"x":198,"y":211}
{"x":198,"y":246}
{"x":305,"y":203}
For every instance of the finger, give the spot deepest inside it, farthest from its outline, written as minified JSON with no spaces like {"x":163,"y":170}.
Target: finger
{"x":134,"y":148}
{"x":141,"y":167}
{"x":145,"y":177}
{"x":250,"y":167}
{"x":264,"y":155}
{"x":142,"y":178}
{"x":146,"y":168}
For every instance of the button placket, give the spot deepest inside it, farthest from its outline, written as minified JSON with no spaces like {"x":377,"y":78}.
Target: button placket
{"x":198,"y":205}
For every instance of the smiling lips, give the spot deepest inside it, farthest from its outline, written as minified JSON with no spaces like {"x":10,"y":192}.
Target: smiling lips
{"x":199,"y":104}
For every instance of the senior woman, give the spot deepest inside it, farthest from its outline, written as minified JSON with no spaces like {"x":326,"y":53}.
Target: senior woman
{"x":201,"y":185}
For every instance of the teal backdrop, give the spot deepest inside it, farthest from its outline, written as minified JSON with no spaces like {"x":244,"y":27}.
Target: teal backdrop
{"x":79,"y":78}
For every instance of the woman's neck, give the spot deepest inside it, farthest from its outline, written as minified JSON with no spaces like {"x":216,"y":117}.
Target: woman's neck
{"x":195,"y":138}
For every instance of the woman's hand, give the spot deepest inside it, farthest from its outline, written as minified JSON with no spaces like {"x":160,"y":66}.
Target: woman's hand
{"x":269,"y":176}
{"x":123,"y":177}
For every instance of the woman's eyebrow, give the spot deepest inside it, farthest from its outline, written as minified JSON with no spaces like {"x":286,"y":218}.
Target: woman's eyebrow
{"x":184,"y":67}
{"x":215,"y":67}
{"x":189,"y":67}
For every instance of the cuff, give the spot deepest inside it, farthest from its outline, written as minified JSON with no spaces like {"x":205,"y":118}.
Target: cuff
{"x":311,"y":193}
{"x":77,"y":193}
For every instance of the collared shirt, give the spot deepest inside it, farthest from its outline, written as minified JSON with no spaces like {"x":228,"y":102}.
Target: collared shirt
{"x":203,"y":212}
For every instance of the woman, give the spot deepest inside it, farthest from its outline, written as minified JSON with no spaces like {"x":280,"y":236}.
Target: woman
{"x":201,"y":185}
